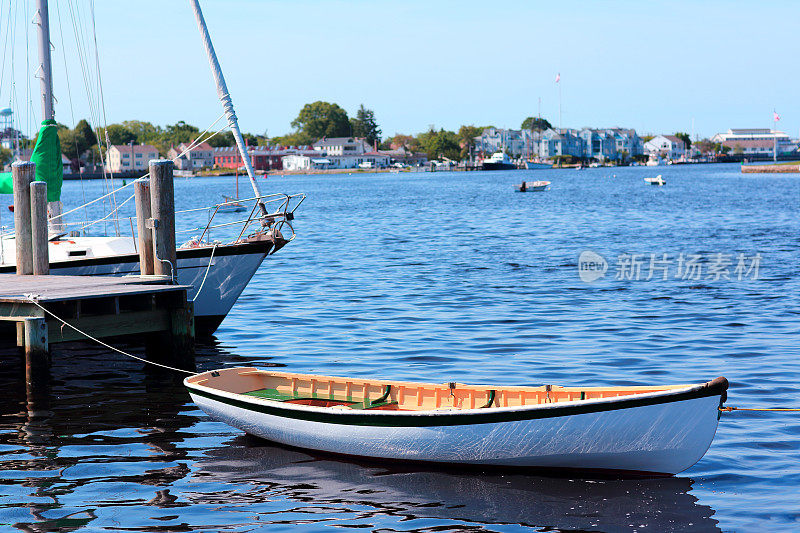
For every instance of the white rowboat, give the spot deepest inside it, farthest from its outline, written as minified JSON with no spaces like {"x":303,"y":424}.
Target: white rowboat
{"x":657,"y":430}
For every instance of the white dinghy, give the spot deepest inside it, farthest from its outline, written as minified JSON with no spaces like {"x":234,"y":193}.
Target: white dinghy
{"x":658,"y":180}
{"x":532,"y":186}
{"x":651,"y":430}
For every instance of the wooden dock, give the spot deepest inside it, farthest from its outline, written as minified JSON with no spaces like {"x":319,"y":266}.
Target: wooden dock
{"x":150,"y":307}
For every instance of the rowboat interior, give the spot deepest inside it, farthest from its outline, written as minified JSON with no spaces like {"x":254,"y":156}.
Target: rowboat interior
{"x":370,"y":394}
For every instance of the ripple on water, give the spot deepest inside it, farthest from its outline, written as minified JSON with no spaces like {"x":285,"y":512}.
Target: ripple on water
{"x":430,"y":277}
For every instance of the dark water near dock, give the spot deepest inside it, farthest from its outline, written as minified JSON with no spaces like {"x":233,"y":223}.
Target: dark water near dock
{"x":447,"y":277}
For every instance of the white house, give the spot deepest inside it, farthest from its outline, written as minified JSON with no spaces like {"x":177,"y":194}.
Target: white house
{"x":756,"y":141}
{"x":666,"y":146}
{"x":342,"y":146}
{"x":129,"y":157}
{"x":199,"y":156}
{"x":326,"y":161}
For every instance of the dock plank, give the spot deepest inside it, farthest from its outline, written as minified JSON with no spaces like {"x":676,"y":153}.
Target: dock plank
{"x":13,"y":288}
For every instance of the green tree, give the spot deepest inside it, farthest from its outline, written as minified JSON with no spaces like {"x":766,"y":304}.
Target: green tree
{"x":223,"y":138}
{"x":401,"y":140}
{"x":5,"y":156}
{"x":321,"y":119}
{"x":293,"y":139}
{"x":685,"y":138}
{"x":536,"y":123}
{"x":647,"y":138}
{"x":365,"y":125}
{"x":145,"y":132}
{"x":440,"y":143}
{"x":180,"y":132}
{"x":119,"y":134}
{"x":466,"y":138}
{"x":706,"y":146}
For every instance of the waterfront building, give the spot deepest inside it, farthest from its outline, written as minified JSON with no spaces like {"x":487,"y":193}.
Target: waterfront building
{"x":342,"y":146}
{"x":493,"y":140}
{"x":598,"y":144}
{"x":263,"y":158}
{"x":200,"y":156}
{"x":666,"y":146}
{"x":627,"y":140}
{"x":588,"y":143}
{"x":756,"y":141}
{"x":406,"y":156}
{"x":560,"y":142}
{"x":321,"y":160}
{"x":129,"y":157}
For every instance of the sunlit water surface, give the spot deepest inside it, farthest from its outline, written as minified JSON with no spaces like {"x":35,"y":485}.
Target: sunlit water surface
{"x":444,"y":277}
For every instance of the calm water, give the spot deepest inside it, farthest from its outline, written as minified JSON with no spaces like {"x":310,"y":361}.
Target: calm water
{"x":447,"y":277}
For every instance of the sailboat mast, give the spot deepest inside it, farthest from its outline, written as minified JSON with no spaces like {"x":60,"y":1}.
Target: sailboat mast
{"x":44,"y":60}
{"x":225,"y":98}
{"x":55,"y":208}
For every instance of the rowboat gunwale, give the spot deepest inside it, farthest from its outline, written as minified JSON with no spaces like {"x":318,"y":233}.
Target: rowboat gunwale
{"x":449,"y":417}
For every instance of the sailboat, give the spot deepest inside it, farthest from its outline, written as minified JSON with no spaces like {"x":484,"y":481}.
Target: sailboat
{"x":232,"y":205}
{"x":218,"y":272}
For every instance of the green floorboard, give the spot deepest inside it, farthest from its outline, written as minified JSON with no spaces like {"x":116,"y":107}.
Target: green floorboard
{"x":273,"y":394}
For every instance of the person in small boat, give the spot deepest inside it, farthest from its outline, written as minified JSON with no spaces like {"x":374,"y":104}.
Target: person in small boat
{"x":523,"y":187}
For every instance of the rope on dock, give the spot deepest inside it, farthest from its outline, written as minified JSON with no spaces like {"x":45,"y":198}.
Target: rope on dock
{"x":33,"y":300}
{"x":729,"y":409}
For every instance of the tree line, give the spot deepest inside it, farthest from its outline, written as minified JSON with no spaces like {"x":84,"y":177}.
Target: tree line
{"x":315,"y":121}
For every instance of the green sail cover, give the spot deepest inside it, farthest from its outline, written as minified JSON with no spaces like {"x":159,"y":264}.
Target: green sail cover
{"x":47,"y":156}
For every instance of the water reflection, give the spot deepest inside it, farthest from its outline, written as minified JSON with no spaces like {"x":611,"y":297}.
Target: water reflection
{"x":92,"y":419}
{"x":559,"y":503}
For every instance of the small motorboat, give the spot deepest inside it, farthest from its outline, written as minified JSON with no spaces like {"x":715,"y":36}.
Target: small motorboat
{"x":658,"y":180}
{"x":532,"y":186}
{"x":650,"y":430}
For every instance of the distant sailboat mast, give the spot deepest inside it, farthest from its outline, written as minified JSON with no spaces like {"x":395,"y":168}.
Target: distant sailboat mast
{"x":225,"y":98}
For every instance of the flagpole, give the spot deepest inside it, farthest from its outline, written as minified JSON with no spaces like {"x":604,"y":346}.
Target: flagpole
{"x":559,"y":102}
{"x":774,"y":137}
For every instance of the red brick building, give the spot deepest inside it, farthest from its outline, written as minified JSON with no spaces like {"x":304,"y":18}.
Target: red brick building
{"x":263,"y":157}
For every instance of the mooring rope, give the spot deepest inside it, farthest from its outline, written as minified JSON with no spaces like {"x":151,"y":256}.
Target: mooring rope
{"x":32,"y":299}
{"x":729,"y":409}
{"x":210,"y":259}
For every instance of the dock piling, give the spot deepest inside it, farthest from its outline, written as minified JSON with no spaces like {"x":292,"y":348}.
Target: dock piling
{"x":141,"y":189}
{"x":37,"y":352}
{"x":162,"y":205}
{"x":39,"y":231}
{"x":23,"y":173}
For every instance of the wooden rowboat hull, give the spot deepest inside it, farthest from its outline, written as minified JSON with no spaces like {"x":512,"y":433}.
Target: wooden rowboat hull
{"x":659,"y":433}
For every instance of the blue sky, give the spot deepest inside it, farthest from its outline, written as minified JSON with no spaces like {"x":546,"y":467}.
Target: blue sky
{"x":654,"y":66}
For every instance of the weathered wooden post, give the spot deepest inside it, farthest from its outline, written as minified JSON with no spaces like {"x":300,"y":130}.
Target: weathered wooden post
{"x":162,"y":206}
{"x":39,"y":232}
{"x":141,"y":191}
{"x":23,"y":174}
{"x":37,"y":353}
